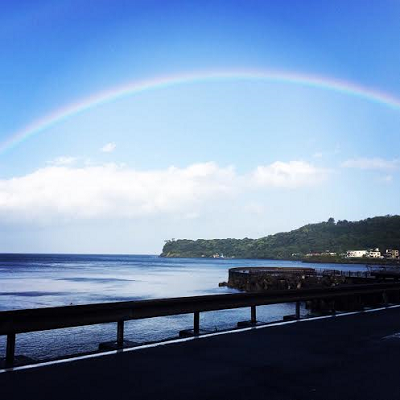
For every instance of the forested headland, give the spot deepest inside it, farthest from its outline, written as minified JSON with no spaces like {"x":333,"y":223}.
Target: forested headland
{"x":330,"y":236}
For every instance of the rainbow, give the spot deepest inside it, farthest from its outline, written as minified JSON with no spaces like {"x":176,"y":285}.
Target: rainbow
{"x":136,"y":87}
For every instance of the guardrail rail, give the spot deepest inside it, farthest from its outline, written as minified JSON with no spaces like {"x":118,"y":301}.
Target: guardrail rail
{"x":30,"y":320}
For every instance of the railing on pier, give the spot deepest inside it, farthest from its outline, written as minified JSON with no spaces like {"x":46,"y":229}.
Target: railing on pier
{"x":346,"y":274}
{"x":40,"y":319}
{"x":308,"y":272}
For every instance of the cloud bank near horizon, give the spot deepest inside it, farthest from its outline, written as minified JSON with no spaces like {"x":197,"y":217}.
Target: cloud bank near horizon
{"x":62,"y":193}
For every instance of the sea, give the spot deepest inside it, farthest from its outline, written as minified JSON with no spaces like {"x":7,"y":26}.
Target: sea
{"x":49,"y":280}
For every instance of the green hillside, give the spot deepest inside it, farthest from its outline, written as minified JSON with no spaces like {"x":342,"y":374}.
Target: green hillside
{"x":340,"y":236}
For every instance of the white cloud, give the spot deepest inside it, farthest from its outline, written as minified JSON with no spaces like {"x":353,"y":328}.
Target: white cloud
{"x":110,"y":191}
{"x":378,"y":164}
{"x":292,"y":174}
{"x":65,"y":193}
{"x":63,"y":160}
{"x":108,"y":148}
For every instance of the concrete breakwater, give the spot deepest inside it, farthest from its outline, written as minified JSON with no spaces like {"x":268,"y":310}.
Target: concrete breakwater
{"x":256,"y":279}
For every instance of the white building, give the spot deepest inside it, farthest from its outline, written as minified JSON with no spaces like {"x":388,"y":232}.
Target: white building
{"x":392,"y":253}
{"x":356,"y":253}
{"x":375,"y":253}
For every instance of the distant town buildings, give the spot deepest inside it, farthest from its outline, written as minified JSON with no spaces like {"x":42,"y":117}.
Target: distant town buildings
{"x":391,"y":254}
{"x":316,"y":254}
{"x":373,"y":253}
{"x":217,"y":255}
{"x":356,"y":253}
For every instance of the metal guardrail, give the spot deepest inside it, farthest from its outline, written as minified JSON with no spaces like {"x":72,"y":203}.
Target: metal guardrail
{"x":40,"y":319}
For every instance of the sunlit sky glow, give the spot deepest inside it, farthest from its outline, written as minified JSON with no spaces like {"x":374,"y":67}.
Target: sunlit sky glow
{"x":126,"y":123}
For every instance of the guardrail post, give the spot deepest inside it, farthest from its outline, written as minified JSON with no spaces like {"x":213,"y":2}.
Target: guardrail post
{"x":10,"y":351}
{"x":120,"y":334}
{"x":196,"y":323}
{"x":385,"y":299}
{"x":333,"y":307}
{"x":297,"y":309}
{"x":253,"y":315}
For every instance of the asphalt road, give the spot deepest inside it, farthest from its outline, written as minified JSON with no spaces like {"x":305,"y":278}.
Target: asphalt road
{"x":348,"y":357}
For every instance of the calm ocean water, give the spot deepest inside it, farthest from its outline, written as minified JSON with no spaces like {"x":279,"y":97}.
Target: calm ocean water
{"x":32,"y":280}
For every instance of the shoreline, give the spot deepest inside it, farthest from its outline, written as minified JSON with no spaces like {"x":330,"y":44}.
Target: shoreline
{"x":368,"y":262}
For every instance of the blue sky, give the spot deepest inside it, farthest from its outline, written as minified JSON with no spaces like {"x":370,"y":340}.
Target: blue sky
{"x":216,"y":158}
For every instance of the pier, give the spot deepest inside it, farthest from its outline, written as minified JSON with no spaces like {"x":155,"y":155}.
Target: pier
{"x":254,"y":279}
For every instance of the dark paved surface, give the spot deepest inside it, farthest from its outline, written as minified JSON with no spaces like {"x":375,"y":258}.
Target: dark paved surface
{"x":337,"y":358}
